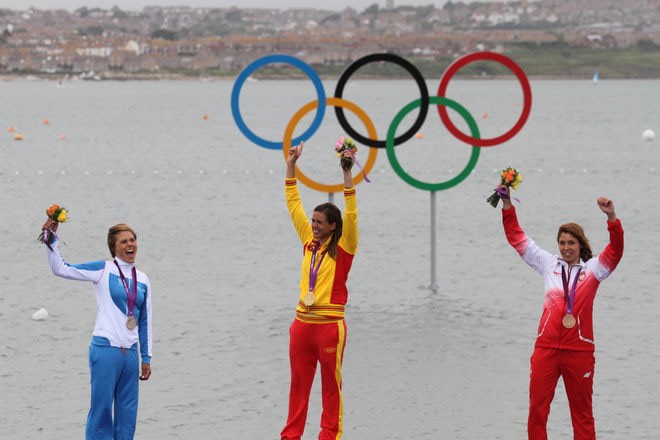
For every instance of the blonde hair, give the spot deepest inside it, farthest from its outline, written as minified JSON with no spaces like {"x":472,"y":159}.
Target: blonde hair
{"x":112,"y":235}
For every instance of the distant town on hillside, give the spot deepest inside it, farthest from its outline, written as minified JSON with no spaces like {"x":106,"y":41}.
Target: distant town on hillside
{"x":619,"y":37}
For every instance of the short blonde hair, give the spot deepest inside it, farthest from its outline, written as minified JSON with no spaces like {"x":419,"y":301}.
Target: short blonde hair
{"x":112,"y":235}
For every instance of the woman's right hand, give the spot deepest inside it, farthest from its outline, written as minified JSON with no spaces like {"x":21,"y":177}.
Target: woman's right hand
{"x":506,"y":197}
{"x":50,"y":225}
{"x":294,"y":154}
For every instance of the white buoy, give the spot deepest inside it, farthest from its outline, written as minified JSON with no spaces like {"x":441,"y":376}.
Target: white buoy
{"x":648,"y":135}
{"x":40,"y":315}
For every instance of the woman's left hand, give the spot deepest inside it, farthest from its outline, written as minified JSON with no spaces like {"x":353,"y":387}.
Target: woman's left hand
{"x":607,"y":206}
{"x":146,"y":372}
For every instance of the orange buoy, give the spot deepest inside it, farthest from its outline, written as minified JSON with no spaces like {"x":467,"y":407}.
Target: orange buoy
{"x":419,"y":136}
{"x":63,"y":137}
{"x":45,"y":122}
{"x":10,"y":129}
{"x":484,"y":115}
{"x":18,"y":137}
{"x":205,"y":116}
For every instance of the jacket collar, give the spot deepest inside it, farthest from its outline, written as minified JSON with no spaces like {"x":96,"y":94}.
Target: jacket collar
{"x":322,"y":248}
{"x":564,"y":263}
{"x":122,"y":263}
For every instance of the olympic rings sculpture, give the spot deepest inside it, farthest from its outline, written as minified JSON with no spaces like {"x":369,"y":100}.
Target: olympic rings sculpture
{"x":371,"y":140}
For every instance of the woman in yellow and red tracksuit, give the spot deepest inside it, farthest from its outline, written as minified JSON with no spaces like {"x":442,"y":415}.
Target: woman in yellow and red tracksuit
{"x":565,"y":340}
{"x":318,"y":332}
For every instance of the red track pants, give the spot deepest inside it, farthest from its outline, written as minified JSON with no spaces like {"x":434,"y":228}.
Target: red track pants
{"x":311,"y":344}
{"x":577,"y":371}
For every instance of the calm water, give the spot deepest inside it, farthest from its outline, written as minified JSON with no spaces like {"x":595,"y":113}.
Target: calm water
{"x":216,"y":242}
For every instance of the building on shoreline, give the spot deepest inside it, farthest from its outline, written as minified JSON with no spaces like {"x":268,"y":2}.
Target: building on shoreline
{"x":161,"y":41}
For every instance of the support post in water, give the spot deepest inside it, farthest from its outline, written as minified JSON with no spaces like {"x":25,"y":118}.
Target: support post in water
{"x":434,"y":285}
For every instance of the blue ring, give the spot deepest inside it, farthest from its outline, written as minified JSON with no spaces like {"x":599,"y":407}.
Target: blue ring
{"x":286,"y":59}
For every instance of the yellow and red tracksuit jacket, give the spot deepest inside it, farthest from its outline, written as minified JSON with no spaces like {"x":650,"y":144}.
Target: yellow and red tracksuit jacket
{"x":330,"y":291}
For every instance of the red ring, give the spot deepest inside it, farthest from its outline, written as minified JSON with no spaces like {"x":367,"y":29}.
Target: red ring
{"x":524,"y":83}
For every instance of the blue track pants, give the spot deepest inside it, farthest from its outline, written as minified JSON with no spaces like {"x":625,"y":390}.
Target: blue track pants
{"x":115,"y":375}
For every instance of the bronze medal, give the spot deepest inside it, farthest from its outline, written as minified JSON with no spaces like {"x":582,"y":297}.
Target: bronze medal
{"x":309,"y":299}
{"x":568,"y":321}
{"x":131,"y":323}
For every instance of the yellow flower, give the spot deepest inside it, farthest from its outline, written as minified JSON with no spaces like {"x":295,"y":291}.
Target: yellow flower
{"x":62,"y":217}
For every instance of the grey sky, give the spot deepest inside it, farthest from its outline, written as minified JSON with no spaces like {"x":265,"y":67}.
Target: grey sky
{"x":129,"y":5}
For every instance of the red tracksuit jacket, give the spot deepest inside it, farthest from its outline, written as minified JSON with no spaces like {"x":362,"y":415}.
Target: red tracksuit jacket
{"x":551,"y":332}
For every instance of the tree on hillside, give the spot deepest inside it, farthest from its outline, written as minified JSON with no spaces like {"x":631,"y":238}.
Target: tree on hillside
{"x":164,"y":34}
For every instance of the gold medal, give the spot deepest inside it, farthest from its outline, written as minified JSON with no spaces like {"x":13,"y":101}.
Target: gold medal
{"x":309,"y":299}
{"x":568,"y":321}
{"x":131,"y":323}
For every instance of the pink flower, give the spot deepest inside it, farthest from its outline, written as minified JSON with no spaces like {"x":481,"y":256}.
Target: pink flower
{"x":340,"y":144}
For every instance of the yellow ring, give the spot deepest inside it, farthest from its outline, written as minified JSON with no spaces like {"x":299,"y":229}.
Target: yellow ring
{"x":337,"y":102}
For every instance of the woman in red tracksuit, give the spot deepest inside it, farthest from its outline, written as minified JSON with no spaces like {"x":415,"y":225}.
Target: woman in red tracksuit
{"x":565,"y":341}
{"x":318,"y":332}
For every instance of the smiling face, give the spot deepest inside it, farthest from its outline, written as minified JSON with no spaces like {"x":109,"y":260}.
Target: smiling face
{"x":569,"y":248}
{"x":320,"y":227}
{"x":126,"y":246}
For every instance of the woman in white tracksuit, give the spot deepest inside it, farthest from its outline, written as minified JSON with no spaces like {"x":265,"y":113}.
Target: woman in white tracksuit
{"x":565,"y":344}
{"x":123,"y":321}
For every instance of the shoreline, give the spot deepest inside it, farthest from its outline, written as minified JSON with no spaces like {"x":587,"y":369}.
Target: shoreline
{"x":210,"y":78}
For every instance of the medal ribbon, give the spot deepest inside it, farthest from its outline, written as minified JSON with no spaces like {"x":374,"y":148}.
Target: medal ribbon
{"x":131,"y":294}
{"x":314,"y":268}
{"x":569,"y":297}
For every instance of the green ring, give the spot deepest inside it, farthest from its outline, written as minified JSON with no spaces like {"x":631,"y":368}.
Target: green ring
{"x":391,"y":133}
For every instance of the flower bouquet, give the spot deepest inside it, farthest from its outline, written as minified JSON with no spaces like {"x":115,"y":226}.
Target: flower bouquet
{"x":57,"y":214}
{"x":509,"y":177}
{"x":346,"y":151}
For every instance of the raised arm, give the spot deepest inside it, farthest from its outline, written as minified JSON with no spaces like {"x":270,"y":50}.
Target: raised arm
{"x":293,"y":202}
{"x":348,"y":178}
{"x":611,"y":255}
{"x":80,"y":272}
{"x":294,"y":154}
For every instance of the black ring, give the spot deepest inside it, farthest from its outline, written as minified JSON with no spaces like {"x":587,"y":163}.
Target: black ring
{"x":417,"y":76}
